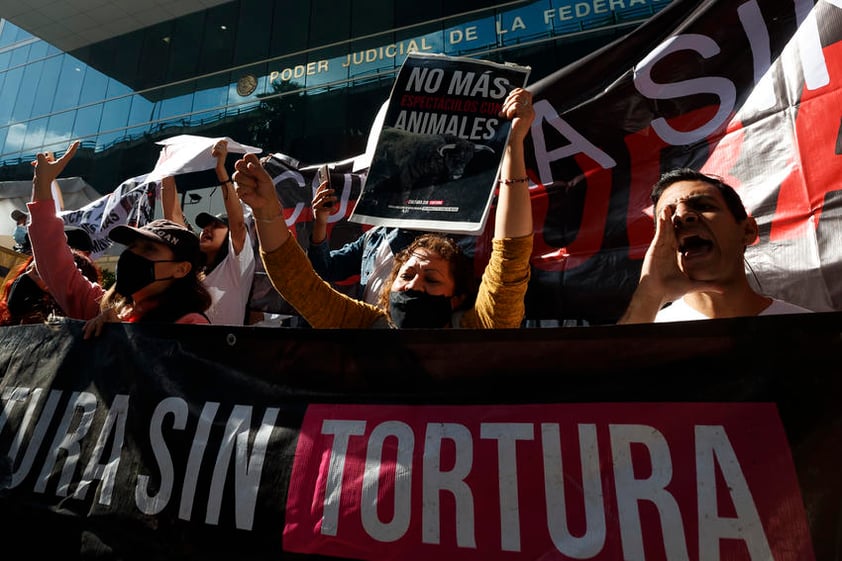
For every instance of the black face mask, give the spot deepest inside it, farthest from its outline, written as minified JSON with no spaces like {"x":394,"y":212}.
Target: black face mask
{"x":412,"y":308}
{"x":134,"y":272}
{"x":25,"y":296}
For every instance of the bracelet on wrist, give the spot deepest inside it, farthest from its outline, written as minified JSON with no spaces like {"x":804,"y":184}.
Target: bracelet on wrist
{"x":226,"y":181}
{"x":515,"y":180}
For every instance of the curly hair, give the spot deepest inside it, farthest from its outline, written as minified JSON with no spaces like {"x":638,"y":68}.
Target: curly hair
{"x":46,"y":306}
{"x":461,"y":267}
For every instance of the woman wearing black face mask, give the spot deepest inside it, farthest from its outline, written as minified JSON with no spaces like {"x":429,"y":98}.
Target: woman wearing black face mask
{"x":157,"y":277}
{"x":428,"y":286}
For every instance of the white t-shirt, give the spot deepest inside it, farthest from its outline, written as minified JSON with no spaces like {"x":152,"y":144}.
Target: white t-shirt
{"x":681,"y":311}
{"x":229,"y":285}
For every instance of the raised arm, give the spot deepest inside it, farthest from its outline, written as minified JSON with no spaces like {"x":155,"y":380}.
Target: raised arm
{"x":170,"y":204}
{"x":233,"y":206}
{"x":255,"y":188}
{"x":513,"y":218}
{"x":47,"y":169}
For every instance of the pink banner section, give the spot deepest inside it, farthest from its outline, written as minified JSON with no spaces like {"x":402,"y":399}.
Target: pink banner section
{"x":654,"y":481}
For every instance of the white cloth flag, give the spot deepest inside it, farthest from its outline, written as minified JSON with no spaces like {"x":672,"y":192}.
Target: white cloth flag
{"x":188,"y":153}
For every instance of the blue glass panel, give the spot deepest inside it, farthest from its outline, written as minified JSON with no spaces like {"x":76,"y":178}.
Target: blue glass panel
{"x":5,"y":59}
{"x":210,"y":98}
{"x":94,"y":86}
{"x":176,"y":106}
{"x":116,"y":88}
{"x":69,"y":83}
{"x":47,"y":86}
{"x":15,"y":136}
{"x":59,"y":127}
{"x":141,"y":111}
{"x":8,"y":33}
{"x":20,"y":55}
{"x":3,"y":132}
{"x":87,"y":121}
{"x":27,"y":91}
{"x":105,"y":140}
{"x":9,"y":94}
{"x":35,"y":131}
{"x":115,"y":115}
{"x":38,"y":50}
{"x":520,"y":24}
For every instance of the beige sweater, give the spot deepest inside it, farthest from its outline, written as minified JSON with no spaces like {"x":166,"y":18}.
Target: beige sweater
{"x":499,"y":302}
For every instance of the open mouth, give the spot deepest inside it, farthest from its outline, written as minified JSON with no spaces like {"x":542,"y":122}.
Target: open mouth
{"x":694,"y":245}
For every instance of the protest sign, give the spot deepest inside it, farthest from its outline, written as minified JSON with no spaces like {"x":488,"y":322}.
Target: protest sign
{"x":440,"y":145}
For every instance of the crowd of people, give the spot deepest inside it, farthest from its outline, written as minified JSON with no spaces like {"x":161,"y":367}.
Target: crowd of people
{"x":171,"y":272}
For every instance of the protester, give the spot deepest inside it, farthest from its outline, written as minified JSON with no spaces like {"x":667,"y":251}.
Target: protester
{"x":370,"y":256}
{"x":19,"y":235}
{"x":157,"y":275}
{"x":694,"y":267}
{"x":428,"y":289}
{"x":228,"y":261}
{"x":26,"y":298}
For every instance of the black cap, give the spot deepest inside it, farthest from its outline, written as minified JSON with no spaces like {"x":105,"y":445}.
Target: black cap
{"x":203,"y":219}
{"x":78,"y":238}
{"x":183,"y":242}
{"x":17,"y":215}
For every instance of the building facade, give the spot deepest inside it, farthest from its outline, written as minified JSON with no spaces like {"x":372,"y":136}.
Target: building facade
{"x":304,"y":78}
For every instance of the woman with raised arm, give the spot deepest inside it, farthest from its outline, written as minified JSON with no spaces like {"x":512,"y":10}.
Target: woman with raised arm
{"x":157,"y":275}
{"x":431,"y":284}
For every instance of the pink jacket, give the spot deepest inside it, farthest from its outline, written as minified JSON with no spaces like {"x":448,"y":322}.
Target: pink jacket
{"x":77,"y":296}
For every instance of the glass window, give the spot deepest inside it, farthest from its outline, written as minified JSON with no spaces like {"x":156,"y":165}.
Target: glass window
{"x":94,"y":86}
{"x":35,"y":131}
{"x":218,"y":42}
{"x":288,"y":38}
{"x":463,"y":36}
{"x":5,"y":59}
{"x":371,"y":16}
{"x":8,"y":33}
{"x":185,"y":46}
{"x":20,"y":55}
{"x":211,"y":92}
{"x":47,"y":87}
{"x":330,"y":21}
{"x":69,"y":83}
{"x":59,"y":127}
{"x":15,"y":137}
{"x":141,"y":110}
{"x":116,"y":88}
{"x":9,"y":94}
{"x":175,"y":105}
{"x":154,"y":60}
{"x":87,"y":121}
{"x":107,"y":139}
{"x":3,"y":132}
{"x":115,"y":113}
{"x":38,"y":50}
{"x":26,"y":93}
{"x":253,"y":31}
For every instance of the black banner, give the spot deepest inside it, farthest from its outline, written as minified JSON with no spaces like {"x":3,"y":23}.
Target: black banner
{"x":181,"y":441}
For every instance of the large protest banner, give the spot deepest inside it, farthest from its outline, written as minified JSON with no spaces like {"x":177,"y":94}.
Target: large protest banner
{"x":437,"y":154}
{"x":697,"y":441}
{"x":747,"y":90}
